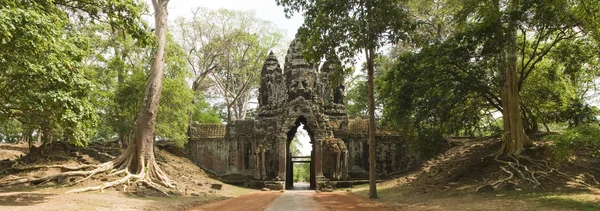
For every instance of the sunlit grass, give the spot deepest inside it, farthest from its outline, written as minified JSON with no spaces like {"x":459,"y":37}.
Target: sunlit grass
{"x":574,"y":201}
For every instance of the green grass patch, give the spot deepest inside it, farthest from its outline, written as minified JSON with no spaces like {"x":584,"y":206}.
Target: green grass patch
{"x":573,"y":201}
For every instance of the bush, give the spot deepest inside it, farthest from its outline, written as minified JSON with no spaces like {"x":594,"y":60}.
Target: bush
{"x":582,"y":137}
{"x":423,"y":142}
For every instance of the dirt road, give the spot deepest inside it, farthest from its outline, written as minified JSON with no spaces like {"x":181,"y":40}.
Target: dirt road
{"x":293,"y":200}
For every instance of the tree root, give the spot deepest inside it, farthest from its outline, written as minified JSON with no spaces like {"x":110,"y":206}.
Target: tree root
{"x":108,"y":184}
{"x":527,"y":172}
{"x":150,"y":175}
{"x":505,"y":179}
{"x":67,"y":168}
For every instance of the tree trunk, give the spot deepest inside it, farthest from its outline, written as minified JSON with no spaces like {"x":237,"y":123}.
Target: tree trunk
{"x":122,"y":133}
{"x":139,"y":155}
{"x":39,"y":135}
{"x":372,"y":168}
{"x":530,"y":121}
{"x":514,"y":137}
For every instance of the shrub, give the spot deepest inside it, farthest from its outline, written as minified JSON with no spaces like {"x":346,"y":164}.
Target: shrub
{"x":581,"y":137}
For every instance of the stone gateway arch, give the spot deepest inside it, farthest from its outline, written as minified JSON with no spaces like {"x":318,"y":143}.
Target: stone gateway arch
{"x":256,"y":152}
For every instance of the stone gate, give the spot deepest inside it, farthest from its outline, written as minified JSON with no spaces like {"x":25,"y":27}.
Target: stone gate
{"x":257,"y":151}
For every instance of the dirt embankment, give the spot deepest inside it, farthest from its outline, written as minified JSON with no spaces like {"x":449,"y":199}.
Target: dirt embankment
{"x":193,"y":185}
{"x":450,"y":181}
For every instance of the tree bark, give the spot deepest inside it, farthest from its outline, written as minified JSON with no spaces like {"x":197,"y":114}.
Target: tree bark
{"x":514,"y":137}
{"x":122,"y":133}
{"x":139,"y":155}
{"x":372,"y":168}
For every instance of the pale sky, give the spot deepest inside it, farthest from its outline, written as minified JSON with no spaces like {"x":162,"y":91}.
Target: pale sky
{"x":304,"y":139}
{"x":265,"y":9}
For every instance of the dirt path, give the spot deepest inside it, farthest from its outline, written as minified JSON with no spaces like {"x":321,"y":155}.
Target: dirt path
{"x":347,"y":201}
{"x":110,"y":200}
{"x":297,"y":200}
{"x":294,"y":200}
{"x":248,"y":202}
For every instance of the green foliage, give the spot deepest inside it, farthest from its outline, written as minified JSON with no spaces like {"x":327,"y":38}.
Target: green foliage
{"x":203,"y":112}
{"x":295,"y":146}
{"x":348,"y":27}
{"x":451,"y":83}
{"x":176,"y":97}
{"x":438,"y":87}
{"x":301,"y":172}
{"x":229,"y":48}
{"x":357,"y":98}
{"x":357,"y":94}
{"x":10,"y":130}
{"x":582,"y":137}
{"x":42,"y":84}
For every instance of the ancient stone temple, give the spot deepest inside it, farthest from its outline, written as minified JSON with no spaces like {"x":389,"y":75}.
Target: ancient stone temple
{"x":257,"y":151}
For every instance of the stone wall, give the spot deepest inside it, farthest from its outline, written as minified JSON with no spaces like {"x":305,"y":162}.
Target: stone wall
{"x":233,"y":154}
{"x":209,"y":148}
{"x":301,"y":93}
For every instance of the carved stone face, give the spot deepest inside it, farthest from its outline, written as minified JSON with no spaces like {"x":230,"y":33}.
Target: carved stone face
{"x":301,"y":83}
{"x":300,"y":86}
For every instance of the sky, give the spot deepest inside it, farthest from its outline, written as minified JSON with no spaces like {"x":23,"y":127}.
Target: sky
{"x":265,"y":9}
{"x":304,"y":140}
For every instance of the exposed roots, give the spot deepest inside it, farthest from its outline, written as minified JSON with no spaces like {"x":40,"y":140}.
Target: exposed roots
{"x":149,"y":174}
{"x":534,"y":170}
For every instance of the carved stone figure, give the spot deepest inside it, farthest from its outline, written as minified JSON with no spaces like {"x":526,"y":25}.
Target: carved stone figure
{"x":337,"y":148}
{"x":338,"y":94}
{"x":300,"y":93}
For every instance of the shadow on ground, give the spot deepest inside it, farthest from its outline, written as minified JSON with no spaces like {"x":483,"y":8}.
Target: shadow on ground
{"x":23,"y":199}
{"x":301,"y":186}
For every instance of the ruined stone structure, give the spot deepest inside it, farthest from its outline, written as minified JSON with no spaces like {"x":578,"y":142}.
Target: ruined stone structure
{"x":258,"y":150}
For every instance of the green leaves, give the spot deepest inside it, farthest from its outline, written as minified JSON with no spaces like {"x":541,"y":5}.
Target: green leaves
{"x":42,"y":51}
{"x":582,"y":137}
{"x":228,"y":47}
{"x":349,"y":27}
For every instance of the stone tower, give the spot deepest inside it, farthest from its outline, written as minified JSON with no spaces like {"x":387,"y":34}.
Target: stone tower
{"x":300,"y":93}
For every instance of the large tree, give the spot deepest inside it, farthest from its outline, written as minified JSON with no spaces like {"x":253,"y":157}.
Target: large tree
{"x":473,"y":64}
{"x":549,"y":23}
{"x":137,"y":162}
{"x":227,"y":47}
{"x":348,"y":28}
{"x":43,"y":84}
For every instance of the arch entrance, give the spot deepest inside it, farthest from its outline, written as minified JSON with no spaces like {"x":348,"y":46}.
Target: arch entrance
{"x":300,"y":162}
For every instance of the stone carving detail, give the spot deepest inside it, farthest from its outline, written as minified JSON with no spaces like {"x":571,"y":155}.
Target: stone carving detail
{"x":256,"y":149}
{"x":260,"y":163}
{"x":338,"y":149}
{"x":339,"y":94}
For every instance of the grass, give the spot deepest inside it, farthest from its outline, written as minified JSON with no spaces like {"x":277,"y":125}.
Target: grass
{"x":391,"y":194}
{"x":574,"y":201}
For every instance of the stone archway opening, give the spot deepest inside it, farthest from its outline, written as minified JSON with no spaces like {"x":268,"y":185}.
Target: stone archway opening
{"x":300,"y":169}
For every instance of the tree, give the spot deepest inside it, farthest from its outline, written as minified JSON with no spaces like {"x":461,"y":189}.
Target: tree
{"x":137,"y":162}
{"x":347,"y":28}
{"x":43,"y":85}
{"x":173,"y":113}
{"x":139,"y":155}
{"x":357,"y":94}
{"x":444,"y":80}
{"x":227,"y":47}
{"x":548,"y":22}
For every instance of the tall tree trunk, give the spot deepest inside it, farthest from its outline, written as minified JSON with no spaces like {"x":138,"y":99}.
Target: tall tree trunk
{"x":139,"y":157}
{"x":122,"y":133}
{"x":370,"y":53}
{"x":514,"y":137}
